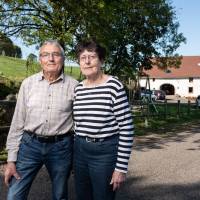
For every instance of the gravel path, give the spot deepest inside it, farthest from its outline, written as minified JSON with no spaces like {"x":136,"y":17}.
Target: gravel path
{"x":162,"y":167}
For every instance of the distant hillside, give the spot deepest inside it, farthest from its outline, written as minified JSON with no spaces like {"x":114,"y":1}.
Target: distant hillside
{"x":12,"y":68}
{"x":15,"y":68}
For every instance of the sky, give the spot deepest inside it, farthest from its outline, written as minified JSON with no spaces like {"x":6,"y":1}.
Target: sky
{"x":26,"y":50}
{"x":188,"y":15}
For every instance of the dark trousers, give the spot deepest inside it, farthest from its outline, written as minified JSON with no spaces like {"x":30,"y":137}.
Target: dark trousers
{"x":56,"y":156}
{"x":94,"y":164}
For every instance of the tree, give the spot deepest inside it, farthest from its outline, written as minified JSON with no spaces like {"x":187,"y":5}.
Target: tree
{"x":18,"y":52}
{"x":7,"y":47}
{"x":137,"y":34}
{"x":32,"y":66}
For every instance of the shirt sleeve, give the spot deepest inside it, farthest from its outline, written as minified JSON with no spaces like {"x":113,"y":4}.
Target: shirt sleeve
{"x":17,"y":125}
{"x":124,"y":118}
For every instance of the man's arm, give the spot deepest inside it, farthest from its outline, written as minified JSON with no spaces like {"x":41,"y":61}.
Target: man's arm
{"x":15,"y":135}
{"x":17,"y":125}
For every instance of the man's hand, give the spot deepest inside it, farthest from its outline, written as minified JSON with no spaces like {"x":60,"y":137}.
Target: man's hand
{"x":117,"y":179}
{"x":10,"y":170}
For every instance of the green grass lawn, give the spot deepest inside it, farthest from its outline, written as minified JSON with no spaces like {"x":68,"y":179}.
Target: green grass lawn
{"x":12,"y":68}
{"x":162,"y":123}
{"x":73,"y":71}
{"x":15,"y":69}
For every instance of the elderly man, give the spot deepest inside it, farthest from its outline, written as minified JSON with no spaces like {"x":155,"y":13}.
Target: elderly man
{"x":40,"y":132}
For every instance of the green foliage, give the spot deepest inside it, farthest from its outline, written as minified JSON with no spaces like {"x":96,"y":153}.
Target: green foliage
{"x":133,"y":31}
{"x":18,"y":52}
{"x":3,"y":155}
{"x":32,"y":66}
{"x":7,"y":48}
{"x":8,"y":86}
{"x":5,"y":90}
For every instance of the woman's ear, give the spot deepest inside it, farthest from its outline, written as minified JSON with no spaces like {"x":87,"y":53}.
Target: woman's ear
{"x":102,"y":61}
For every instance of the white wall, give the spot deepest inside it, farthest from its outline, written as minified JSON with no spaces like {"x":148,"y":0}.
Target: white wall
{"x":181,"y":86}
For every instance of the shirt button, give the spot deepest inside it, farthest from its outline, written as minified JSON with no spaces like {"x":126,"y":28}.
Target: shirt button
{"x":46,"y":120}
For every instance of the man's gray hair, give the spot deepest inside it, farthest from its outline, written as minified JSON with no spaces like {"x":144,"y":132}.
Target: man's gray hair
{"x":53,"y":42}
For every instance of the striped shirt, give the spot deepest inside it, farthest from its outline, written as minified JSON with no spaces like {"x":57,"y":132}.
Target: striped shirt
{"x":43,"y":108}
{"x":103,"y":111}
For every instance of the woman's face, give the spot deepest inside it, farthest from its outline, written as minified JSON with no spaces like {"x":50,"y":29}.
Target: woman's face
{"x":90,"y":63}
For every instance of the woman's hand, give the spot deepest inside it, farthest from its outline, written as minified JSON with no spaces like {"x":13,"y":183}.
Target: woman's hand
{"x":117,"y":179}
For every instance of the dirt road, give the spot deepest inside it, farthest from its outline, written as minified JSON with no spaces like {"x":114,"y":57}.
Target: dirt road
{"x":162,"y":167}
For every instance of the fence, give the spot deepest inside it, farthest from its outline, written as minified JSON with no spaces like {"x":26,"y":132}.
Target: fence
{"x":163,"y":108}
{"x":143,"y":110}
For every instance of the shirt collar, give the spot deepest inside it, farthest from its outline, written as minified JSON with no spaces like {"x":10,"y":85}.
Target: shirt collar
{"x":41,"y":77}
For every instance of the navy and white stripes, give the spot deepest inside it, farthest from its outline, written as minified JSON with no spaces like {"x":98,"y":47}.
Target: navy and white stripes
{"x":103,"y":111}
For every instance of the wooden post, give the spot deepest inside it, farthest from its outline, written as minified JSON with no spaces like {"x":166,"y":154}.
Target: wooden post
{"x":148,"y":108}
{"x":146,"y":122}
{"x":165,"y":109}
{"x":178,"y":109}
{"x":147,"y":115}
{"x":189,"y":107}
{"x":130,"y":95}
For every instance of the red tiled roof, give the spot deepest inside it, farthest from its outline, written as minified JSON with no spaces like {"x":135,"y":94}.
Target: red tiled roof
{"x":190,"y":67}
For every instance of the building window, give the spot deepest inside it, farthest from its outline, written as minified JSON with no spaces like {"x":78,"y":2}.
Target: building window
{"x":167,"y":71}
{"x":190,"y":79}
{"x":190,"y":89}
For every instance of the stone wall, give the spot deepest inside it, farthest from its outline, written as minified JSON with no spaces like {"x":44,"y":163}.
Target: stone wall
{"x":6,"y":113}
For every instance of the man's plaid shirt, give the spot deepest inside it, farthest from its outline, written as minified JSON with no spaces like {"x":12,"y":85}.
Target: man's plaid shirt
{"x":43,"y":108}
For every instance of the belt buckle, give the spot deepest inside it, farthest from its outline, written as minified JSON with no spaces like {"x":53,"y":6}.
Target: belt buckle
{"x":94,"y":140}
{"x":45,"y":139}
{"x":89,"y":139}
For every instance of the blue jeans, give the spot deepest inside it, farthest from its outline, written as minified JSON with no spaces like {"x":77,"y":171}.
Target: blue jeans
{"x":94,"y":164}
{"x":32,"y":155}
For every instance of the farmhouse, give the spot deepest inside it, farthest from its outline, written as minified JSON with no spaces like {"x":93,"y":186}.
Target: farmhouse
{"x":183,"y":81}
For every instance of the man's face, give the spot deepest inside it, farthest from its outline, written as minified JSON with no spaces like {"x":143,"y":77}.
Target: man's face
{"x":51,"y":59}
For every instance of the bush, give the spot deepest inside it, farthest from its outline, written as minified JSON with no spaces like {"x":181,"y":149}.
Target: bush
{"x":8,"y":87}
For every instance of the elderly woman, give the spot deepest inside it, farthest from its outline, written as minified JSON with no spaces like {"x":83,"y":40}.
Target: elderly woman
{"x":103,"y":128}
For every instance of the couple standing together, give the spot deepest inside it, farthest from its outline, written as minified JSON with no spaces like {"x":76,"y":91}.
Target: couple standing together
{"x":52,"y":106}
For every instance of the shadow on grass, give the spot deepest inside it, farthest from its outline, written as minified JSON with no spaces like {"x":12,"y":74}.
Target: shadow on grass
{"x":160,"y":138}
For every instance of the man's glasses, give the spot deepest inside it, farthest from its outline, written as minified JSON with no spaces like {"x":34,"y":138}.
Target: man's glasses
{"x":47,"y":55}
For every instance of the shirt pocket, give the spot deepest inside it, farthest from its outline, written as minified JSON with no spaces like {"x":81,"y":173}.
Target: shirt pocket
{"x":36,"y":102}
{"x":63,"y":103}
